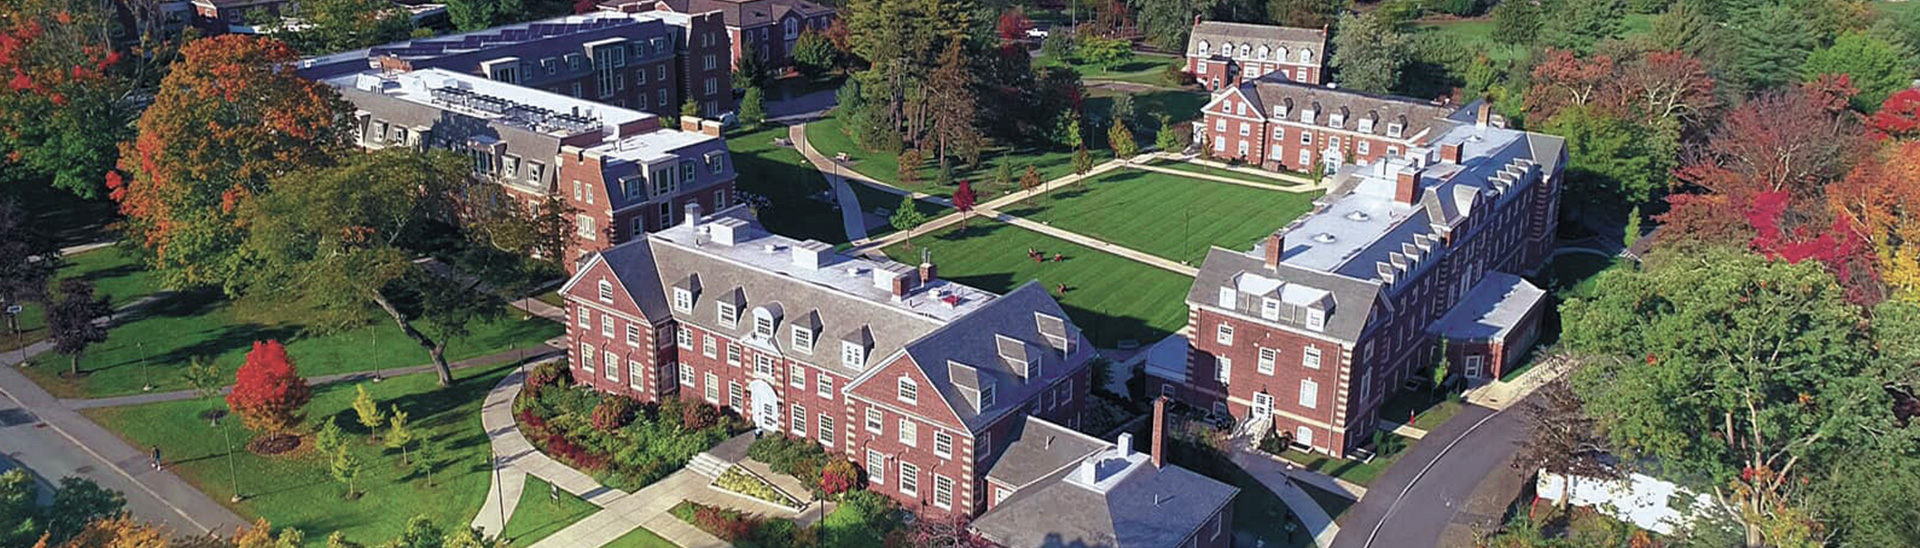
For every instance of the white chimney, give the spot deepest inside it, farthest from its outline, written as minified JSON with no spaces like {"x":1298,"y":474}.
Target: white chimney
{"x":1124,"y":444}
{"x":693,"y":213}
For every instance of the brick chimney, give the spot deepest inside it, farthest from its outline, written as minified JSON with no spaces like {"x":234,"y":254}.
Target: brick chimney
{"x":690,"y":123}
{"x":927,"y":273}
{"x":394,"y":65}
{"x":1406,"y":185}
{"x":1275,"y":245}
{"x":1451,"y":153}
{"x":1481,"y":116}
{"x":900,"y":286}
{"x":1159,"y":432}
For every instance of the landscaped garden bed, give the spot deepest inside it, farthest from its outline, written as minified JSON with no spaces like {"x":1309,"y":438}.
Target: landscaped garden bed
{"x":1386,"y":448}
{"x":864,"y":519}
{"x":624,"y":444}
{"x":824,"y":474}
{"x":737,"y":481}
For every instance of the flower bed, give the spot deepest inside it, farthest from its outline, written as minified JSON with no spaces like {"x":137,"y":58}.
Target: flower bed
{"x":624,"y":444}
{"x":804,"y":459}
{"x":743,"y":483}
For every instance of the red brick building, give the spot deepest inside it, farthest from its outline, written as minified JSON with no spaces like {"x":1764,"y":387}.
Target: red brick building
{"x":1277,"y":124}
{"x":923,"y":381}
{"x":1222,"y":55}
{"x":766,"y":29}
{"x":1308,"y":333}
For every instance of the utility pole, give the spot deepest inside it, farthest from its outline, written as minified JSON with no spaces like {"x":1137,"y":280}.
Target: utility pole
{"x":232,"y":470}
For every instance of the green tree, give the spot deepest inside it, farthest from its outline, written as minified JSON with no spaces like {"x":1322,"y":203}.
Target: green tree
{"x":347,"y":238}
{"x":1578,"y":25}
{"x":1516,"y":22}
{"x":68,"y":100}
{"x":207,"y":379}
{"x":420,"y":533}
{"x":1310,"y":14}
{"x":1769,"y":45}
{"x":76,"y":503}
{"x":906,"y":216}
{"x":1123,"y":111}
{"x":689,"y":109}
{"x":367,"y":410}
{"x":1687,"y":28}
{"x":1069,"y":130}
{"x":1058,"y":45}
{"x":1082,"y":162}
{"x":345,"y":468}
{"x":1122,"y":141}
{"x":1003,"y":175}
{"x":19,"y":509}
{"x":814,"y":55}
{"x":1102,"y":51}
{"x":1874,"y":66}
{"x":748,"y":73}
{"x":329,"y":438}
{"x":1441,"y":369}
{"x":399,"y":434}
{"x":1721,"y":364}
{"x":1633,"y":230}
{"x":1613,"y":163}
{"x":472,"y":15}
{"x":1167,"y":139}
{"x":428,"y":456}
{"x":1370,"y":52}
{"x":330,"y":26}
{"x":753,"y":108}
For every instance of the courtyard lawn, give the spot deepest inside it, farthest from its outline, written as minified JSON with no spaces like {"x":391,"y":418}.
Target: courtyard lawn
{"x":1202,"y":169}
{"x":788,"y":183}
{"x":1166,"y":215}
{"x":1111,"y":298}
{"x":640,"y":537}
{"x":1573,"y":274}
{"x":540,"y":515}
{"x":1428,"y":411}
{"x":874,"y":198}
{"x":1354,"y":471}
{"x":296,"y":490}
{"x":116,"y":274}
{"x":1178,"y":104}
{"x":1144,"y":68}
{"x":156,"y":343}
{"x":828,"y":137}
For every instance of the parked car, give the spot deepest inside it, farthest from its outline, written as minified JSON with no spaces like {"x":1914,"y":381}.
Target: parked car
{"x":1037,"y":33}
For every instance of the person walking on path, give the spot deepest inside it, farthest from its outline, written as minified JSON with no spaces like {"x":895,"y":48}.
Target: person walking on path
{"x":156,"y":457}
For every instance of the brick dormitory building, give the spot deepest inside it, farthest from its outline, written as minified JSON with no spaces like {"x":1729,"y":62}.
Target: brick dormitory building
{"x":766,"y":29}
{"x":1283,"y":125}
{"x":955,"y":401}
{"x":1222,"y":55}
{"x":1309,"y":332}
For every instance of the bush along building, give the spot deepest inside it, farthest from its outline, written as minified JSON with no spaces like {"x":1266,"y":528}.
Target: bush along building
{"x":1222,"y":55}
{"x":766,"y":29}
{"x":653,"y":61}
{"x":931,"y":386}
{"x":1281,"y":125}
{"x":1306,"y":334}
{"x":621,"y":172}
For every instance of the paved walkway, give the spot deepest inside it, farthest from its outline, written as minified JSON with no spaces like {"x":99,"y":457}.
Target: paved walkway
{"x":1278,"y":478}
{"x":852,"y":216}
{"x":622,"y":511}
{"x":54,"y":441}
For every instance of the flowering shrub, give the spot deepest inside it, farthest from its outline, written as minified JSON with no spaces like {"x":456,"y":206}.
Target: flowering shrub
{"x":839,"y":476}
{"x":614,"y":412}
{"x":621,"y":442}
{"x":729,"y":525}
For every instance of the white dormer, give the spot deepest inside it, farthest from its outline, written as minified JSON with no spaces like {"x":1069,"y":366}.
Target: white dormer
{"x":1203,"y":47}
{"x":853,"y":355}
{"x":1227,"y":298}
{"x":1263,"y":53}
{"x":1280,"y":54}
{"x":1245,"y":50}
{"x":1270,"y":308}
{"x":803,"y":338}
{"x":1306,"y":115}
{"x":1395,"y":129}
{"x":1338,"y":120}
{"x":1366,"y":124}
{"x":1226,"y":49}
{"x":764,"y":319}
{"x":1306,"y":56}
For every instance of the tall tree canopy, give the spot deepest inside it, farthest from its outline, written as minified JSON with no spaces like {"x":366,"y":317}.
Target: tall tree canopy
{"x":63,"y":106}
{"x":329,"y":26}
{"x":1578,"y":25}
{"x":226,"y":121}
{"x":1369,"y":52}
{"x":472,"y":15}
{"x":1871,"y":64}
{"x":1880,"y":199}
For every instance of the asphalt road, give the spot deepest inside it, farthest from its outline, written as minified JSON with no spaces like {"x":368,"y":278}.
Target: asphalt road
{"x":1414,"y":502}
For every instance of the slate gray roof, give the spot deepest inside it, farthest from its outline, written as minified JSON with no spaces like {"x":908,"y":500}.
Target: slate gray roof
{"x":1148,"y":508}
{"x":1414,"y":115}
{"x":1039,"y":449}
{"x":1353,"y":298}
{"x":1219,"y":33}
{"x":1490,"y":310}
{"x":974,"y":340}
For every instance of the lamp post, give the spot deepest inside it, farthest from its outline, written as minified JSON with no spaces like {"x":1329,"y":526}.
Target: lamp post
{"x":232,"y":470}
{"x":376,"y":354}
{"x":146,"y":376}
{"x":13,"y":322}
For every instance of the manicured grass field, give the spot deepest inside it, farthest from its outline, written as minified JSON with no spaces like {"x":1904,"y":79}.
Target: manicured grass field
{"x":1164,"y":214}
{"x":1144,"y":68}
{"x":789,"y":184}
{"x":539,"y":515}
{"x":1352,"y":470}
{"x":1428,"y":411}
{"x":1573,"y":274}
{"x":158,"y":343}
{"x":1178,"y":104}
{"x":872,"y":198}
{"x":640,"y":538}
{"x":295,"y":490}
{"x":1190,"y":167}
{"x":115,"y":273}
{"x":1109,"y":297}
{"x":827,"y":136}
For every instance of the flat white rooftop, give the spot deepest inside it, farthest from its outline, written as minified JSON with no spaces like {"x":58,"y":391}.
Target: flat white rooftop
{"x":479,"y":97}
{"x":651,"y":146}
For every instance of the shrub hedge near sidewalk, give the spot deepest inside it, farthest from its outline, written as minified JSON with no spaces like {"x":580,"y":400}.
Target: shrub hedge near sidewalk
{"x":623,"y":443}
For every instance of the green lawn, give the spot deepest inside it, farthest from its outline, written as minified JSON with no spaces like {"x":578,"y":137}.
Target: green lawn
{"x":552,"y":298}
{"x":1110,"y":297}
{"x":67,"y":218}
{"x":640,"y":538}
{"x":871,"y":198}
{"x":1428,"y":411}
{"x":115,"y":273}
{"x":295,"y":490}
{"x":1144,"y":68}
{"x":1190,"y":167}
{"x":788,"y":183}
{"x":1177,"y":104}
{"x":539,"y":515}
{"x":1166,"y":215}
{"x":1352,"y":470}
{"x":158,"y":343}
{"x":827,"y":137}
{"x":1573,"y":274}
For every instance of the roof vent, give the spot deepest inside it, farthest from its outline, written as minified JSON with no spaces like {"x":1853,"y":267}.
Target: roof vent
{"x":1359,"y":217}
{"x":1324,"y":238}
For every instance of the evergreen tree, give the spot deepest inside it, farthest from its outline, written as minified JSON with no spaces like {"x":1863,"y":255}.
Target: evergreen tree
{"x":753,"y":108}
{"x":1770,"y":44}
{"x":1516,"y":22}
{"x":1686,"y":28}
{"x":952,"y":101}
{"x":472,"y":15}
{"x":1577,"y":25}
{"x":1167,"y":139}
{"x":906,"y":215}
{"x":1874,"y":66}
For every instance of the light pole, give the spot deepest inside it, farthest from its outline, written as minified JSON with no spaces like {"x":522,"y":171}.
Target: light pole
{"x":232,"y":470}
{"x":499,"y":498}
{"x":376,"y":354}
{"x":146,"y":376}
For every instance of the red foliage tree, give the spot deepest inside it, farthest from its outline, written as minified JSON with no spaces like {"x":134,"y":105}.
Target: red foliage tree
{"x":63,"y":105}
{"x":839,"y":476}
{"x":268,"y":391}
{"x":1014,"y":24}
{"x":1877,"y":201}
{"x":1563,"y":80}
{"x":963,"y":200}
{"x":1666,"y":84}
{"x":1898,"y":117}
{"x":226,"y":120}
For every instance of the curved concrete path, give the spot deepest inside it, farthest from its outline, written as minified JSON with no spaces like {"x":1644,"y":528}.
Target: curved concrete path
{"x":852,"y":216}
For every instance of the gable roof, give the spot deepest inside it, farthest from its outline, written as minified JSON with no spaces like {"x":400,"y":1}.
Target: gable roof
{"x":748,"y":13}
{"x":1139,"y":506}
{"x":1414,"y":115}
{"x":1217,"y":33}
{"x":974,"y":340}
{"x":1039,"y":449}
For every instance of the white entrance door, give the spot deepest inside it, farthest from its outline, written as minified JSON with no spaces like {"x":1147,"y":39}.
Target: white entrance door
{"x":1262,"y":405}
{"x":1473,"y":366}
{"x":766,"y":406}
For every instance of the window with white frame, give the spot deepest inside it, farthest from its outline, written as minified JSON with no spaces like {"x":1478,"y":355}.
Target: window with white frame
{"x":707,"y":347}
{"x":909,"y":479}
{"x":763,"y":366}
{"x":733,"y":354}
{"x":633,"y":334}
{"x":909,"y":391}
{"x":606,"y":325}
{"x":1361,"y":147}
{"x":797,"y":375}
{"x":875,"y":421}
{"x":586,"y":356}
{"x":762,"y":325}
{"x":876,"y":468}
{"x":585,"y":316}
{"x":1066,"y":391}
{"x":1366,"y":385}
{"x":606,"y":291}
{"x":683,"y":336}
{"x":1246,"y":129}
{"x":1166,"y":391}
{"x":729,"y":315}
{"x":826,"y":429}
{"x":853,"y":355}
{"x":686,"y":376}
{"x":1220,"y":124}
{"x":942,"y":491}
{"x":682,"y":299}
{"x":824,"y":386}
{"x":942,"y":444}
{"x":1224,"y":369}
{"x":986,"y":396}
{"x":1223,"y":334}
{"x":1306,"y":157}
{"x":713,"y":389}
{"x":1310,"y":358}
{"x":799,"y":420}
{"x":612,"y":365}
{"x":802,"y":339}
{"x":1267,"y":356}
{"x":1270,"y":308}
{"x":1306,"y":137}
{"x":735,"y":398}
{"x":1309,"y":393}
{"x":909,"y":431}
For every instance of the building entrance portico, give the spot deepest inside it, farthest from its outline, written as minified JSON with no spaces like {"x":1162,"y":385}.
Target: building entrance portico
{"x":766,"y":405}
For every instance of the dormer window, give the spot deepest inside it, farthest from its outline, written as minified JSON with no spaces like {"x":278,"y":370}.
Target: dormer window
{"x":1306,"y":56}
{"x":1227,"y":298}
{"x":1366,"y":125}
{"x":762,"y":324}
{"x":682,"y":299}
{"x":909,"y":391}
{"x":1337,"y":121}
{"x":1270,"y":308}
{"x":1307,"y":116}
{"x":803,"y":339}
{"x":1394,"y":130}
{"x":1279,"y":111}
{"x":1245,"y":50}
{"x":606,"y":291}
{"x":1226,"y":49}
{"x":1203,"y":47}
{"x":1263,"y":53}
{"x":853,"y":355}
{"x":728,"y":315}
{"x":1316,"y":319}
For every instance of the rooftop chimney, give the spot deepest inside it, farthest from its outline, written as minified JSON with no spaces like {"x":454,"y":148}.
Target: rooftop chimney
{"x":1275,"y":245}
{"x":1452,"y":152}
{"x":693,"y":214}
{"x":927,"y":270}
{"x":1159,"y":432}
{"x":1124,"y":445}
{"x":1406,"y":185}
{"x":1484,"y":114}
{"x":690,"y":123}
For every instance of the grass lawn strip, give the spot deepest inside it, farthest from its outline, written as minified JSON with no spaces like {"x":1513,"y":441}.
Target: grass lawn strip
{"x":1110,"y":297}
{"x":1144,"y":68}
{"x":640,"y":537}
{"x":296,"y":490}
{"x":788,"y":184}
{"x":116,"y":274}
{"x":539,"y":515}
{"x":827,"y":137}
{"x":1167,"y":215}
{"x":1429,"y":410}
{"x":1354,"y":471}
{"x":157,"y":343}
{"x":1203,"y":169}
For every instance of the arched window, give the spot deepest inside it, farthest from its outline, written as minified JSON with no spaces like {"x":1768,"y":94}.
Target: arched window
{"x":1280,"y":54}
{"x":1226,"y":49}
{"x":1203,"y":47}
{"x":1245,"y":50}
{"x":1306,"y":56}
{"x":1263,"y":53}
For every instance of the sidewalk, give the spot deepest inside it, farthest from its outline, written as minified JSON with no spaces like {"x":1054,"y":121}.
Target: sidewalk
{"x":852,"y":218}
{"x":1278,"y":479}
{"x":1242,"y":169}
{"x":54,"y":442}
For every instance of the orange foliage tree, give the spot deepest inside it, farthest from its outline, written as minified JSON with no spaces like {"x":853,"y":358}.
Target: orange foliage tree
{"x":63,"y":91}
{"x":268,"y":391}
{"x":227,"y":119}
{"x":1881,"y":201}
